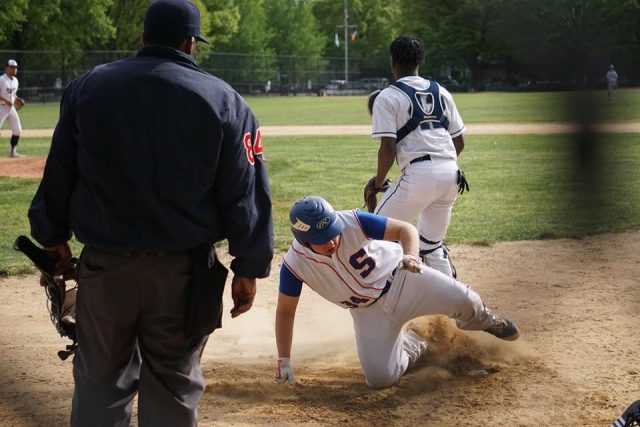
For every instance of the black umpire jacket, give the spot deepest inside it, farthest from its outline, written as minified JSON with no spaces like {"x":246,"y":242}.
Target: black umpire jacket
{"x":151,"y":153}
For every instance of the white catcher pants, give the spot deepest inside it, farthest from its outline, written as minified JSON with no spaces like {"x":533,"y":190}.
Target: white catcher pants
{"x":382,"y":346}
{"x":10,"y":114}
{"x":425,"y":190}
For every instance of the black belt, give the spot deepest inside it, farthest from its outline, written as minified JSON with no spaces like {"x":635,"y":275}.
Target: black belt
{"x":420,"y":159}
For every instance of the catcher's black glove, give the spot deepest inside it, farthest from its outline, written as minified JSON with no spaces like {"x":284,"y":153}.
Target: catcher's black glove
{"x":371,"y":191}
{"x":462,"y":182}
{"x":371,"y":99}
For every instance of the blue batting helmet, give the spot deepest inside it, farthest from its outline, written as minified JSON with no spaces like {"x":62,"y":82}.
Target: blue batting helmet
{"x":313,"y":220}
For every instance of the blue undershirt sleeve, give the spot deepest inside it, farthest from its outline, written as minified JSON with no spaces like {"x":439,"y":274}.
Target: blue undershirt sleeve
{"x":372,"y":224}
{"x":290,"y":285}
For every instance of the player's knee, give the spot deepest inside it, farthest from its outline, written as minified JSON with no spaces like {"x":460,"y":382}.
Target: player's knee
{"x":381,"y":381}
{"x":379,"y":375}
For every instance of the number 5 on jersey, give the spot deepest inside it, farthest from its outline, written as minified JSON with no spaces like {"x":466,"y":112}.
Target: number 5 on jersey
{"x":254,"y":149}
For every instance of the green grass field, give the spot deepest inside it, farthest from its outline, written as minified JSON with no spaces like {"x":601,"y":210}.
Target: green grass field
{"x":522,"y":187}
{"x":485,"y":107}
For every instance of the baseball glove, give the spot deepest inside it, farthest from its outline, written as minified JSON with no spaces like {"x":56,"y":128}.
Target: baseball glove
{"x":370,"y":100}
{"x":371,"y":191}
{"x":19,"y":103}
{"x":61,"y":299}
{"x":462,"y":182}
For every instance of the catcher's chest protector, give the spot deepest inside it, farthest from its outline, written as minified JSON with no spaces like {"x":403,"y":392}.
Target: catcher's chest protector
{"x":427,"y":110}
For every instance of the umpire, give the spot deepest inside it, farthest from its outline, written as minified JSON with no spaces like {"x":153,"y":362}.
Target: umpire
{"x":152,"y":161}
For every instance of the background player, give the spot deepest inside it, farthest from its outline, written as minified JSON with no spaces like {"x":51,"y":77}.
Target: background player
{"x":612,"y":83}
{"x":351,"y":258}
{"x":8,"y":96}
{"x":428,"y":185}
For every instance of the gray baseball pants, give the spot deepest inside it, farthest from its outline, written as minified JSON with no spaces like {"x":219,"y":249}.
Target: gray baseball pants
{"x":130,"y":322}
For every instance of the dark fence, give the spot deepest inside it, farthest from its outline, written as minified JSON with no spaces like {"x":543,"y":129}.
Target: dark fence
{"x":44,"y":74}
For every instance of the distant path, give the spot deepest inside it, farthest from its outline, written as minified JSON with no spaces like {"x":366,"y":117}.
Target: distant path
{"x":472,"y":129}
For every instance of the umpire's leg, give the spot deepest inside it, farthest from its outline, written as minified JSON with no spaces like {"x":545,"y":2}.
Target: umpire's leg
{"x":171,"y":381}
{"x":107,"y":364}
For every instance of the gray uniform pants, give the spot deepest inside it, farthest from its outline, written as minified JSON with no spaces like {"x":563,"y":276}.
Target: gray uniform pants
{"x":130,"y":321}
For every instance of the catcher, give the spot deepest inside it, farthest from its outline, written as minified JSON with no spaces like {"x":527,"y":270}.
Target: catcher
{"x":419,"y":127}
{"x":10,"y":103}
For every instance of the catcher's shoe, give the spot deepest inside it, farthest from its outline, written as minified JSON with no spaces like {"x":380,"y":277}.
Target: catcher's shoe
{"x":504,"y":329}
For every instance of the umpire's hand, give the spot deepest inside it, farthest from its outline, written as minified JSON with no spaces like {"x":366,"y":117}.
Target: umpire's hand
{"x":243,"y":291}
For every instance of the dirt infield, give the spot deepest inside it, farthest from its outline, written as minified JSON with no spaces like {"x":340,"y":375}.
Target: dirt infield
{"x":576,"y":302}
{"x":24,"y":167}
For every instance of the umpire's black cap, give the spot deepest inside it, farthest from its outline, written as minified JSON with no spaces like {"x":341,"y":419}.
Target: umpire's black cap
{"x":176,"y":18}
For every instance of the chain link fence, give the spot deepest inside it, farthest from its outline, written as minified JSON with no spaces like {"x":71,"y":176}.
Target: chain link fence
{"x":43,"y":75}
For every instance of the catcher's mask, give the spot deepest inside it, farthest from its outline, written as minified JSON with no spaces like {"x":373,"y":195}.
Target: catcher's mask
{"x":313,"y":220}
{"x":630,"y":417}
{"x":61,"y":299}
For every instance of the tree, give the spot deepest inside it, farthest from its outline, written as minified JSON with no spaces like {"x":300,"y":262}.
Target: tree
{"x":250,"y":60}
{"x":218,"y":20}
{"x":456,"y":31}
{"x":566,"y":38}
{"x":294,"y":28}
{"x":128,"y":19}
{"x":296,"y":40}
{"x":375,"y":22}
{"x":69,"y":26}
{"x":14,"y":13}
{"x":221,"y":20}
{"x":252,"y":35}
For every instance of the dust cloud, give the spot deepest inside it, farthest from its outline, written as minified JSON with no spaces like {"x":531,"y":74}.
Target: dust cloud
{"x":323,"y":333}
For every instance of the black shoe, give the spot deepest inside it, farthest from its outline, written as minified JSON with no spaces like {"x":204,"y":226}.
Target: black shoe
{"x":504,"y":329}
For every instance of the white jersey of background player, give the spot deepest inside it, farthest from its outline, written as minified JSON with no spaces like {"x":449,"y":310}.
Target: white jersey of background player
{"x":428,"y":185}
{"x":353,"y":260}
{"x":8,"y":95}
{"x":612,"y":82}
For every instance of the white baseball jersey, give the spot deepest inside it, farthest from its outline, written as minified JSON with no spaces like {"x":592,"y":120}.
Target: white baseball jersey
{"x":356,"y":274}
{"x":392,"y":109}
{"x":612,"y":76}
{"x":8,"y":87}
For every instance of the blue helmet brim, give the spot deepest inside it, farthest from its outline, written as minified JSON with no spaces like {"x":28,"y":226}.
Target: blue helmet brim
{"x":323,"y":236}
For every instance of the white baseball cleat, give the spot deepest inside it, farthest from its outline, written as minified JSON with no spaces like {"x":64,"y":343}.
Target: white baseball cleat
{"x":14,"y":153}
